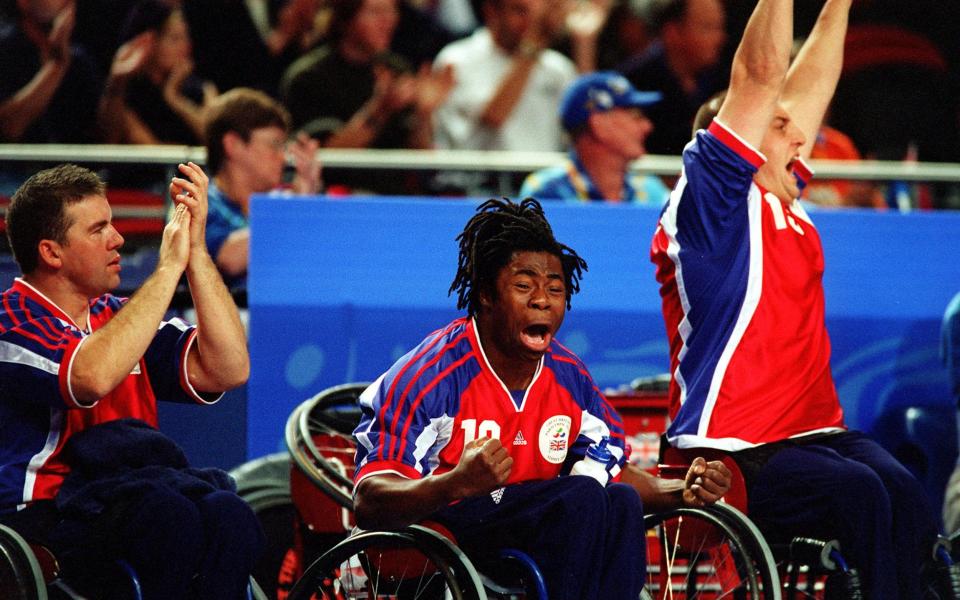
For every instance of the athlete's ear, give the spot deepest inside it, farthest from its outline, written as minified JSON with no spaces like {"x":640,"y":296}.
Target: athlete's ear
{"x":487,"y":296}
{"x":50,"y":253}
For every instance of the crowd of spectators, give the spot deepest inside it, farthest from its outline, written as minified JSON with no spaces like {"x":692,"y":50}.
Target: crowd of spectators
{"x":483,"y":75}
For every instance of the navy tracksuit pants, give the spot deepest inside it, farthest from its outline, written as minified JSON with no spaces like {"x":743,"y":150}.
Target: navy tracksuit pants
{"x":180,"y":548}
{"x":846,"y":486}
{"x":588,"y":541}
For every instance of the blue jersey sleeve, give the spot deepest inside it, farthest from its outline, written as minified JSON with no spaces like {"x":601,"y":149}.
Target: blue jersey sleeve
{"x":34,"y":362}
{"x":166,"y":362}
{"x":711,"y":208}
{"x":407,"y":414}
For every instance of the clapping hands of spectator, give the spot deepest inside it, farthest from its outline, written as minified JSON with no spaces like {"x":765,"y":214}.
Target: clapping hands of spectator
{"x":61,"y":31}
{"x":307,"y":167}
{"x":130,"y":58}
{"x":433,"y":87}
{"x":295,"y":23}
{"x":586,"y":18}
{"x":393,"y":91}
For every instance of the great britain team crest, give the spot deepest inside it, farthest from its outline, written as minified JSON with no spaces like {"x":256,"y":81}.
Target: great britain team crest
{"x":554,"y":439}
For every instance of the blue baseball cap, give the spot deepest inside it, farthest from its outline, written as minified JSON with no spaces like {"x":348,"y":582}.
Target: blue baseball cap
{"x":599,"y":92}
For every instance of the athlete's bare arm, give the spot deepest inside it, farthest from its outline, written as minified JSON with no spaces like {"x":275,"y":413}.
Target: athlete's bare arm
{"x":813,"y":77}
{"x":705,"y":483}
{"x":387,"y":501}
{"x":759,"y":69}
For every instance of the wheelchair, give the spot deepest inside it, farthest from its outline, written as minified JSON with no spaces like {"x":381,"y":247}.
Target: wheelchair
{"x":30,"y":571}
{"x":802,"y":568}
{"x":711,"y":552}
{"x":264,"y":483}
{"x":813,"y":568}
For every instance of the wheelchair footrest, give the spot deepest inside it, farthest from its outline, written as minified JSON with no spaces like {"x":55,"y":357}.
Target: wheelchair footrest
{"x":819,"y":554}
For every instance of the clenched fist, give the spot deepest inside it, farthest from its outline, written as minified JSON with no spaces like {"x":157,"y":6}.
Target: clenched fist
{"x":484,"y":466}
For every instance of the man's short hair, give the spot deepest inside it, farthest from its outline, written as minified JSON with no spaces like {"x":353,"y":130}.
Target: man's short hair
{"x":708,"y":111}
{"x":498,"y":230}
{"x":37,"y":210}
{"x":240,"y":110}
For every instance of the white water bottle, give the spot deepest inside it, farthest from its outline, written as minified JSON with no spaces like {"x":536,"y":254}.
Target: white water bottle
{"x":595,"y":462}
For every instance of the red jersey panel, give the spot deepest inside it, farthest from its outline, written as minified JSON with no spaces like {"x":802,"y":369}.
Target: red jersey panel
{"x":741,"y":282}
{"x":418,"y":416}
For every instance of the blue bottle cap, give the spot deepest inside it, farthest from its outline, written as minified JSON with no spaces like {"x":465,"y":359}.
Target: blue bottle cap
{"x":599,"y":452}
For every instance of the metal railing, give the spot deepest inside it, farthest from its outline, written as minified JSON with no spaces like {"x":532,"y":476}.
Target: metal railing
{"x":454,"y":160}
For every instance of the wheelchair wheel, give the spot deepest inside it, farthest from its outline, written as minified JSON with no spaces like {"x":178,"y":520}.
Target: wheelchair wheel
{"x":320,"y":428}
{"x":414,"y":563}
{"x":708,"y":553}
{"x":264,"y":483}
{"x":20,"y":575}
{"x":760,"y":552}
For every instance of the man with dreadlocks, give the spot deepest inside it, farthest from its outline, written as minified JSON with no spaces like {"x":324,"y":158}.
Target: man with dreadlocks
{"x":476,"y":428}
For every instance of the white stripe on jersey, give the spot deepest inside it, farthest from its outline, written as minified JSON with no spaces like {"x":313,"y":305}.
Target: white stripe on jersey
{"x":436,"y":436}
{"x":37,"y":461}
{"x":695,"y":441}
{"x":366,"y":401}
{"x":176,"y":322}
{"x":669,"y":224}
{"x":185,"y":375}
{"x":19,"y":355}
{"x":73,"y":397}
{"x":750,"y":301}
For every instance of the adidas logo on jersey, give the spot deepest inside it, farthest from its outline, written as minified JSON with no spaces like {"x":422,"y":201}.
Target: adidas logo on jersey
{"x":519,"y":441}
{"x":497,"y":495}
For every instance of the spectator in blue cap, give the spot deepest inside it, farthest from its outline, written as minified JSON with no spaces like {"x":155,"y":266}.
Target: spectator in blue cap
{"x":603,"y":114}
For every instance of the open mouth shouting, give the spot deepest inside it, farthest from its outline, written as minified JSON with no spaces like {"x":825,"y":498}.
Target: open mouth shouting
{"x":537,"y":337}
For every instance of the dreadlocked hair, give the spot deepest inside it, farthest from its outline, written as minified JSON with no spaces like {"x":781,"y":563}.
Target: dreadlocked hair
{"x":499,"y":229}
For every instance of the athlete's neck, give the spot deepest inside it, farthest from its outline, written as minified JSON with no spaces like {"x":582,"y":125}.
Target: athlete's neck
{"x":516,"y":372}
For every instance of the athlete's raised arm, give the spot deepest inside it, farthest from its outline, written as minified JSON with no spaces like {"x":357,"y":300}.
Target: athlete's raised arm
{"x":812,"y":79}
{"x":759,"y":69}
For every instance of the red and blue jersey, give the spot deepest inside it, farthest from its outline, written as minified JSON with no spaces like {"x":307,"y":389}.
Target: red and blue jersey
{"x":39,"y":411}
{"x":740,"y":276}
{"x":419,"y":415}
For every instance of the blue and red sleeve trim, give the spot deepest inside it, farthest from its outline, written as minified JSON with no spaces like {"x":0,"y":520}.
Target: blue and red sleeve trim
{"x":733,"y":141}
{"x":803,"y":171}
{"x":381,"y":467}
